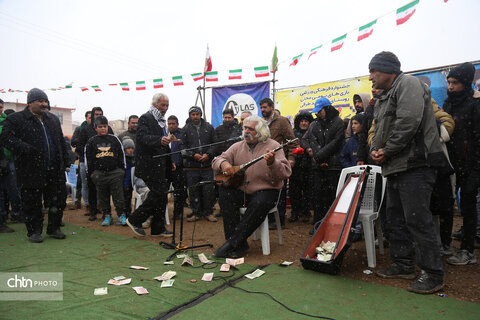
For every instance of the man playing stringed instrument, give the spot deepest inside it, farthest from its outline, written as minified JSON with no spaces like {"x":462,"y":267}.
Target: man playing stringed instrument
{"x":259,"y":189}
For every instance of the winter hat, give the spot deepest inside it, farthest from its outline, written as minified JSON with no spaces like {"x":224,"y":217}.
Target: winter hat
{"x":320,"y":103}
{"x":385,"y":62}
{"x":463,"y":73}
{"x":304,"y":115}
{"x":359,"y":117}
{"x":36,"y":94}
{"x":127,"y":142}
{"x":195,"y":109}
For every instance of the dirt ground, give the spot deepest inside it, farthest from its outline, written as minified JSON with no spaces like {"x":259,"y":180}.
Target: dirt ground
{"x":461,"y":282}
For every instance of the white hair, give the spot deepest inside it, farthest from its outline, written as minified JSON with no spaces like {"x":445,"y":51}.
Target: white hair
{"x":158,"y":96}
{"x":263,"y":132}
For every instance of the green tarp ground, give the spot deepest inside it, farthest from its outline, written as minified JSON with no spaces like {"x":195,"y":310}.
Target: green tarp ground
{"x":88,"y":259}
{"x":325,"y":295}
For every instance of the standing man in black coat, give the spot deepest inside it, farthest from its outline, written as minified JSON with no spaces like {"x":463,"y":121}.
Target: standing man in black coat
{"x":36,"y":140}
{"x":153,"y":140}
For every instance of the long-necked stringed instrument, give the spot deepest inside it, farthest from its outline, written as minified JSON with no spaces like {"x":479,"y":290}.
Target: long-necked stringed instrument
{"x":235,"y":180}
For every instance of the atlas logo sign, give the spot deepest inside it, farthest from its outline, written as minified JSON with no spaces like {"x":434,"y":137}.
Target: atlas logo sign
{"x":241,"y":102}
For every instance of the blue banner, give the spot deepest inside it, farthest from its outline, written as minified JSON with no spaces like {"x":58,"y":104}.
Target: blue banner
{"x":238,"y":98}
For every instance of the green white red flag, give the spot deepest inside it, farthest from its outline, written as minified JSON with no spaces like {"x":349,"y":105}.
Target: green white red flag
{"x":83,"y":88}
{"x":197,"y":76}
{"x":211,"y":76}
{"x":406,"y":12}
{"x":177,"y":81}
{"x":113,"y":84}
{"x":314,"y":51}
{"x":96,"y":88}
{"x":124,"y":86}
{"x":208,"y":61}
{"x":235,"y":74}
{"x":157,"y":83}
{"x":274,"y":62}
{"x":140,"y":85}
{"x":295,"y":60}
{"x":366,"y":30}
{"x":262,"y":71}
{"x":69,"y":86}
{"x":337,"y":43}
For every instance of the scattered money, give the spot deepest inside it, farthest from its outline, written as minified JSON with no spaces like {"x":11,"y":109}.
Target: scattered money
{"x":203,"y":258}
{"x":193,"y":280}
{"x":138,"y":268}
{"x":181,"y":256}
{"x":100,"y":291}
{"x":325,"y":250}
{"x":324,"y":257}
{"x":168,"y":262}
{"x":234,"y":262}
{"x":207,"y":276}
{"x":140,"y":290}
{"x":286,"y":263}
{"x":118,"y":278}
{"x":166,"y":276}
{"x":225,"y":267}
{"x":167,"y":283}
{"x":255,"y":274}
{"x":187,"y":260}
{"x":367,"y":271}
{"x":119,"y":282}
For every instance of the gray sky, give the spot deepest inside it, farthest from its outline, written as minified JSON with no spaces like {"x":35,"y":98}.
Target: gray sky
{"x":50,"y":43}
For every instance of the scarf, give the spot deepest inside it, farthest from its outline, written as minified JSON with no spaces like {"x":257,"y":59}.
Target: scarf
{"x":158,"y":116}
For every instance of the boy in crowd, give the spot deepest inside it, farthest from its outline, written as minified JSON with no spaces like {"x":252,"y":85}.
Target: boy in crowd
{"x":105,"y":162}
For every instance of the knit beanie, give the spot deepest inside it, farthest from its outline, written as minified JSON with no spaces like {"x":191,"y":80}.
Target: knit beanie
{"x":36,"y":94}
{"x":195,"y":109}
{"x":385,"y":62}
{"x":463,"y":73}
{"x":127,"y":142}
{"x":359,"y":117}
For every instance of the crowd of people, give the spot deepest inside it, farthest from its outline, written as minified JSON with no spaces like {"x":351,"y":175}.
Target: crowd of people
{"x":429,"y":155}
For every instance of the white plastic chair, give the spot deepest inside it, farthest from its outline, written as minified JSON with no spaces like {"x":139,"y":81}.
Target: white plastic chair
{"x":139,"y":198}
{"x":368,"y":213}
{"x":264,"y":231}
{"x":70,"y":186}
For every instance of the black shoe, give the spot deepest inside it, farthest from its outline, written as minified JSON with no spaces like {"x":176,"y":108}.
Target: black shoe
{"x":137,"y":230}
{"x":396,"y":272}
{"x":272,"y":226}
{"x":93,"y":217}
{"x":35,"y":238}
{"x":426,"y":284}
{"x":224,"y":250}
{"x":293,"y":219}
{"x":57,"y":234}
{"x":18,"y":218}
{"x":190,"y":215}
{"x":164,"y":233}
{"x":5,"y":229}
{"x":458,"y":234}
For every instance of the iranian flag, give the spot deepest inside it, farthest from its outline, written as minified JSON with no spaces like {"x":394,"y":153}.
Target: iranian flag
{"x":124,"y":86}
{"x":84,"y":88}
{"x":69,"y":86}
{"x":314,"y":50}
{"x":274,"y":61}
{"x":197,"y":76}
{"x":177,"y":81}
{"x":338,"y":43}
{"x":113,"y":84}
{"x":157,"y":83}
{"x":235,"y":74}
{"x":404,"y":13}
{"x":366,"y":30}
{"x":295,"y":60}
{"x":140,"y":85}
{"x":211,"y":76}
{"x":208,"y":61}
{"x":261,"y":72}
{"x":96,"y":88}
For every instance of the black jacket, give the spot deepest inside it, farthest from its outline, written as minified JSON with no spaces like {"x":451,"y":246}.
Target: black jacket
{"x":326,"y":138}
{"x":464,"y":144}
{"x":223,"y":133}
{"x":363,"y":148}
{"x":191,"y":138}
{"x":86,"y":133}
{"x":104,"y":153}
{"x":149,"y":144}
{"x":23,"y":135}
{"x":302,"y":161}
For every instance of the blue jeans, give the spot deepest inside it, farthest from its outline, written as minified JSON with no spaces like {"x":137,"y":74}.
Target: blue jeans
{"x":9,"y":182}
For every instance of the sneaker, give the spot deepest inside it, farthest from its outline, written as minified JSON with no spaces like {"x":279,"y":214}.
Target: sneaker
{"x":462,"y":257}
{"x":194,"y":218}
{"x":147,"y":223}
{"x":458,"y":234}
{"x":108,"y":221}
{"x":35,"y":238}
{"x":396,"y":272}
{"x":426,"y":284}
{"x":164,"y":233}
{"x":446,"y":250}
{"x":57,"y":234}
{"x":138,"y":231}
{"x":122,"y":220}
{"x":211,"y":218}
{"x":92,"y":217}
{"x":5,"y":229}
